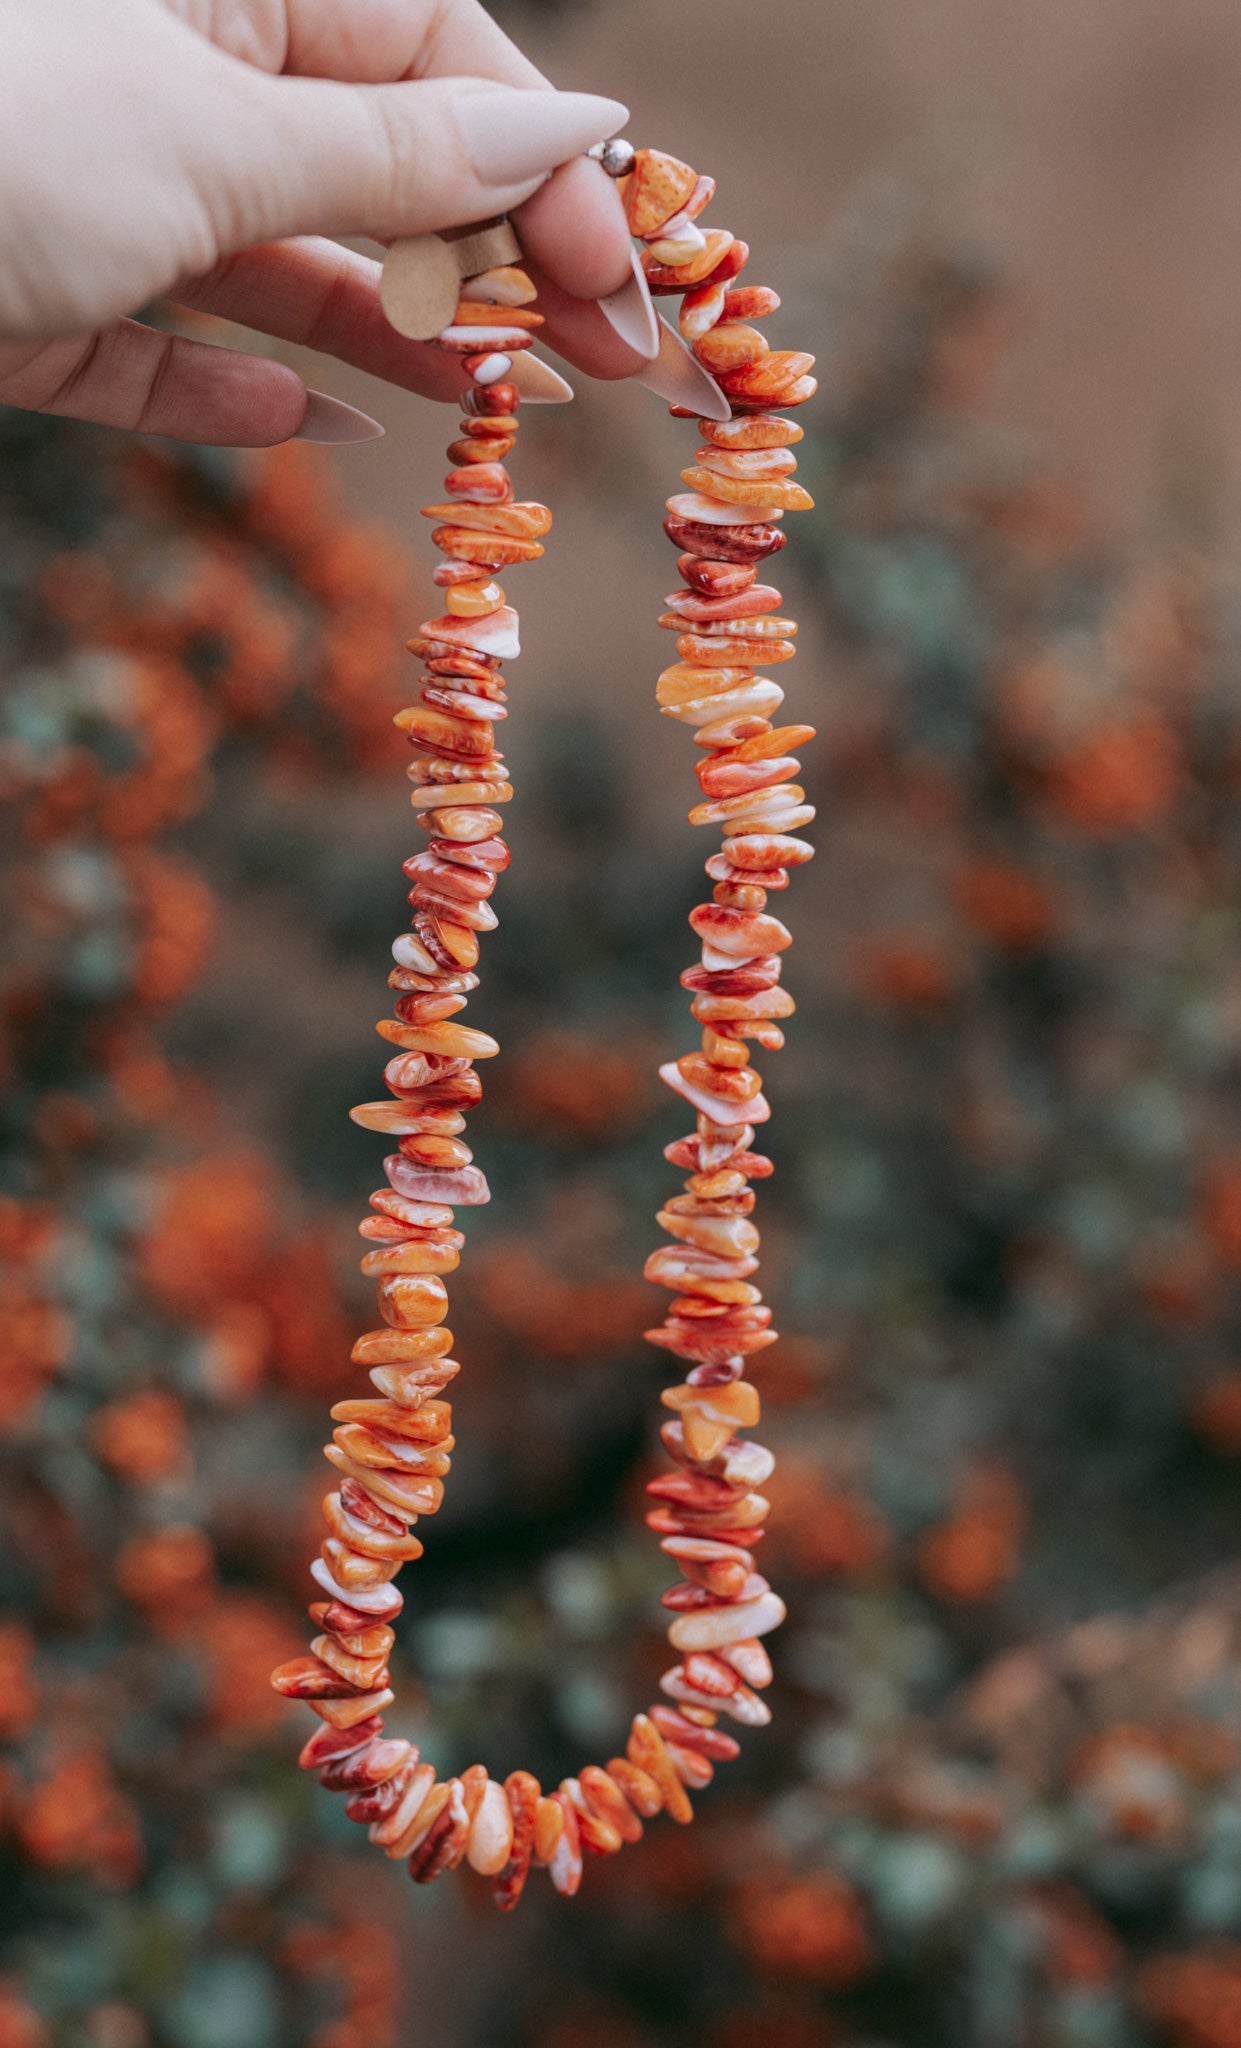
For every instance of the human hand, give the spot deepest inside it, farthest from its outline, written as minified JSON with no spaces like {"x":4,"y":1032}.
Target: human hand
{"x":200,"y":149}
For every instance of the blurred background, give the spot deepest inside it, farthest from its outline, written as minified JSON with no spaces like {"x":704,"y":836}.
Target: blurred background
{"x":1000,"y":1805}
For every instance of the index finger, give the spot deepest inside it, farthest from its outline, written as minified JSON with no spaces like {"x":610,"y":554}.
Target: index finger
{"x":381,"y":42}
{"x":574,"y":227}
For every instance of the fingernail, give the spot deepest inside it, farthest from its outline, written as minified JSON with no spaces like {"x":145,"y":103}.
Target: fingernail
{"x":513,"y":135}
{"x":631,"y":311}
{"x":331,"y":420}
{"x":677,"y":376}
{"x":537,"y":382}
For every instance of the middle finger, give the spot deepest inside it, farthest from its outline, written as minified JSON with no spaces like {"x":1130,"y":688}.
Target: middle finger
{"x":314,"y":292}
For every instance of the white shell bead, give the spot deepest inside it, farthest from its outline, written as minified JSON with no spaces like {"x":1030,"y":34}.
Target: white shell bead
{"x":709,"y":1628}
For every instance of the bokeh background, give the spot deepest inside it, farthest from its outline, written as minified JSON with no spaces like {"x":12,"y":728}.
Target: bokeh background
{"x":1000,"y":1806}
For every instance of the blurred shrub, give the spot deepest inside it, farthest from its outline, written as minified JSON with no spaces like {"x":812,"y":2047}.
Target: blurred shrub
{"x":1001,"y":1807}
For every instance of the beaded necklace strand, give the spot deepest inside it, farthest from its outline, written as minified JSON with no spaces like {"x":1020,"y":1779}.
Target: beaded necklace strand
{"x":391,"y":1453}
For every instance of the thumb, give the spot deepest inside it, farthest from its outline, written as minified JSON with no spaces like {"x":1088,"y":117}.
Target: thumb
{"x":386,"y":160}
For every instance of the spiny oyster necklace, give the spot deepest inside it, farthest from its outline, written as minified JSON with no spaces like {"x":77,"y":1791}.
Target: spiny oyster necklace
{"x":391,"y":1451}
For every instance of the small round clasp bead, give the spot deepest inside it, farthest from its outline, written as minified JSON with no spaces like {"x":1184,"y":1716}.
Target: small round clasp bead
{"x":616,"y":156}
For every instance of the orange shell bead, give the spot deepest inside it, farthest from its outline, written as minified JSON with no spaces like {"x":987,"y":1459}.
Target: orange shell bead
{"x":488,"y":550}
{"x":638,"y":1786}
{"x":760,"y":430}
{"x":677,"y":277}
{"x":749,"y":489}
{"x":728,"y":345}
{"x":657,"y":187}
{"x":474,"y":600}
{"x":647,"y":1749}
{"x":518,"y":521}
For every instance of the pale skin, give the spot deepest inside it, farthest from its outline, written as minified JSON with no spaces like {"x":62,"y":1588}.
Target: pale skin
{"x":203,"y":150}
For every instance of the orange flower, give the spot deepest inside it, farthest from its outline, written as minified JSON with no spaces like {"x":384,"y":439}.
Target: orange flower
{"x":175,"y":730}
{"x":38,"y":1341}
{"x":366,"y":1956}
{"x":19,"y":1694}
{"x":351,"y":2032}
{"x":76,"y":1818}
{"x":974,"y":334}
{"x":311,"y":1334}
{"x":797,"y":1369}
{"x":26,"y":1228}
{"x":230,"y":630}
{"x":290,"y":504}
{"x":1175,"y":1274}
{"x":367,"y":1959}
{"x":810,"y":1927}
{"x":1081,"y":1948}
{"x":169,"y":1573}
{"x":144,"y":1085}
{"x":1010,"y":908}
{"x":826,"y":1527}
{"x":59,"y":805}
{"x":1030,"y":700}
{"x":212,"y":1234}
{"x":236,"y":1350}
{"x":1132,"y":1784}
{"x":358,"y":566}
{"x":676,"y":1868}
{"x":584,"y":1086}
{"x":842,"y":1533}
{"x":1118,"y":778}
{"x":1042,"y":521}
{"x":20,"y":2024}
{"x":142,"y":1438}
{"x":906,"y":973}
{"x":363,"y":684}
{"x":556,"y":1317}
{"x":1205,"y":1751}
{"x":242,"y":1638}
{"x":972,"y":1555}
{"x":1221,"y":1209}
{"x":1197,"y":1996}
{"x":949,"y":1798}
{"x":176,"y":918}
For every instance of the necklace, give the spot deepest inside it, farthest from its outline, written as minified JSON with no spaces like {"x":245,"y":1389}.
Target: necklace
{"x":392,"y":1452}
